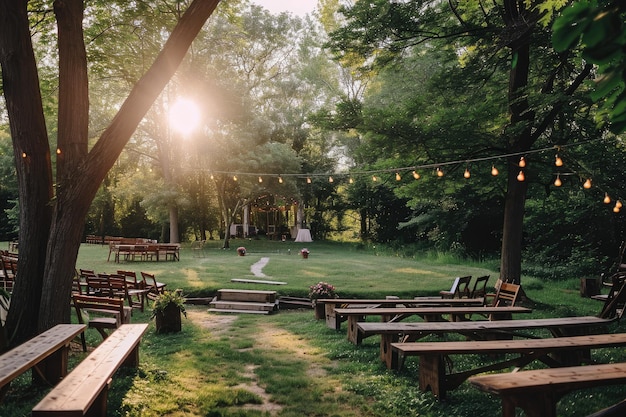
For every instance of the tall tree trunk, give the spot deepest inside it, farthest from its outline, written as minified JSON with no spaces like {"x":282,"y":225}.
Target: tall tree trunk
{"x":32,"y":161}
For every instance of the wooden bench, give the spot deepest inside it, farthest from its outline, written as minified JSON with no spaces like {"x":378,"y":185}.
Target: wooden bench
{"x":356,"y":315}
{"x":537,"y":392}
{"x":334,"y":320}
{"x":45,"y":354}
{"x":84,"y":390}
{"x":477,"y":330}
{"x":434,"y":361}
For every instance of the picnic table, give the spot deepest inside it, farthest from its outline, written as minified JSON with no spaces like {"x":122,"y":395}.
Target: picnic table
{"x":391,"y":332}
{"x":146,"y":252}
{"x":333,"y":320}
{"x":428,"y":313}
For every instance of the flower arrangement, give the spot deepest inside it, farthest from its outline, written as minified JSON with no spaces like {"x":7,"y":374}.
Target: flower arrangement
{"x":322,"y":290}
{"x":304,"y":250}
{"x":241,"y":251}
{"x":168,"y":299}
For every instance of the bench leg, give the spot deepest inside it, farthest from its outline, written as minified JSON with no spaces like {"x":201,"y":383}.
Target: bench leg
{"x":353,"y":330}
{"x":52,"y":369}
{"x":387,"y":354}
{"x":99,"y":407}
{"x":534,"y":404}
{"x":432,"y":374}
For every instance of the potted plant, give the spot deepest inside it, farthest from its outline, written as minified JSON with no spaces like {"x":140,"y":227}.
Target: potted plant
{"x":304,"y":252}
{"x":241,"y":251}
{"x":321,"y":290}
{"x":166,"y":310}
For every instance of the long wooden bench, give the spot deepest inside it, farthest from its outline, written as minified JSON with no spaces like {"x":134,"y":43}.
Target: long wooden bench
{"x":334,"y":320}
{"x":84,"y":390}
{"x":434,"y":361}
{"x":46,"y":354}
{"x":356,"y":315}
{"x":477,"y":330}
{"x":537,"y":392}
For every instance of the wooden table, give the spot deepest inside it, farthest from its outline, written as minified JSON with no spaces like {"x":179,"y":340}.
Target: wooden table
{"x":334,"y":320}
{"x":147,"y":251}
{"x":476,"y":330}
{"x":356,"y":315}
{"x":436,"y":371}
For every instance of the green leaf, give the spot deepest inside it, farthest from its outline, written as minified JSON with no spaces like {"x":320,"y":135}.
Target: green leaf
{"x":569,"y":27}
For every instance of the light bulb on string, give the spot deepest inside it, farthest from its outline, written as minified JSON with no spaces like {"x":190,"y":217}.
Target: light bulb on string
{"x":587,"y":184}
{"x":467,"y":174}
{"x":494,"y":170}
{"x":607,"y":199}
{"x":618,"y":204}
{"x":308,"y":180}
{"x":439,"y":172}
{"x":280,"y":179}
{"x":212,"y":177}
{"x":522,"y":162}
{"x":58,"y":151}
{"x":398,"y":177}
{"x":234,"y":178}
{"x":558,"y":161}
{"x":260,"y":179}
{"x":557,"y":181}
{"x":331,"y":180}
{"x":374,"y":178}
{"x":521,"y":177}
{"x":416,"y":175}
{"x":351,"y":180}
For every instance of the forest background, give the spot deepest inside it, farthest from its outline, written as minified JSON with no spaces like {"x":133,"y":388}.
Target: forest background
{"x":402,"y":123}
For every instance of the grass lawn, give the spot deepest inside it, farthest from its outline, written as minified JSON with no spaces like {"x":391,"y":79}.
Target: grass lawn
{"x":289,"y":364}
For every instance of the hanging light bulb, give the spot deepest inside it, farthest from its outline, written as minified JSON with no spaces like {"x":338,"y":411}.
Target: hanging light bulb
{"x":558,"y":161}
{"x":374,"y":178}
{"x":439,"y":172}
{"x":398,"y":177}
{"x":234,"y":178}
{"x":557,"y":181}
{"x":308,"y":180}
{"x":351,"y":180}
{"x":607,"y":199}
{"x":522,"y":162}
{"x":58,"y":151}
{"x":521,"y":177}
{"x":212,"y":177}
{"x":330,"y":179}
{"x":23,"y":154}
{"x":467,"y":174}
{"x":494,"y":170}
{"x":618,"y":204}
{"x":587,"y":184}
{"x":416,"y":175}
{"x":260,"y":179}
{"x":280,"y":179}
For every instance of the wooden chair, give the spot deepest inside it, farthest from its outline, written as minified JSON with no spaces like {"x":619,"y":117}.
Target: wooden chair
{"x":9,"y":272}
{"x":616,"y":299}
{"x":506,"y":295}
{"x":100,"y":313}
{"x":459,"y":289}
{"x":135,"y":290}
{"x":98,"y":285}
{"x":154,"y":288}
{"x":479,"y":289}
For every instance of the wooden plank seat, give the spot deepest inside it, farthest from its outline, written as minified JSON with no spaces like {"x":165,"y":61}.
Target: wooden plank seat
{"x":46,"y":354}
{"x":435,"y":362}
{"x":84,"y":390}
{"x":355,"y":315}
{"x":334,"y":320}
{"x":391,"y":332}
{"x":537,"y":392}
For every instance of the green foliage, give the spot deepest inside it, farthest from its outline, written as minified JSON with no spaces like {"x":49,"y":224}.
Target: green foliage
{"x":167,"y":299}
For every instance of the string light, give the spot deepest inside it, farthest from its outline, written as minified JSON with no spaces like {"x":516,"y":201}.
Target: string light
{"x":58,"y":151}
{"x":351,"y":180}
{"x":520,"y":176}
{"x":398,"y":177}
{"x":522,"y":162}
{"x":617,"y":207}
{"x":467,"y":174}
{"x":557,"y":181}
{"x":234,"y":178}
{"x":330,"y":179}
{"x":308,"y":180}
{"x":439,"y":172}
{"x":23,"y":154}
{"x":494,"y":171}
{"x":607,"y":199}
{"x":587,"y":184}
{"x":374,"y":178}
{"x":416,"y":175}
{"x":558,"y":161}
{"x":280,"y":179}
{"x":260,"y":179}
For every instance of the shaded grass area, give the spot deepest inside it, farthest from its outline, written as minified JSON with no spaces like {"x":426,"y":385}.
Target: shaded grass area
{"x":226,"y":365}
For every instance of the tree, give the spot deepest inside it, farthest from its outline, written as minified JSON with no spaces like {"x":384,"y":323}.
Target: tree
{"x":51,"y":217}
{"x":486,"y":39}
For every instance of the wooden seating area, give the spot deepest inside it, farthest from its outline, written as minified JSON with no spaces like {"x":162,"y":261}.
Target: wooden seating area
{"x":8,"y":270}
{"x":46,"y":354}
{"x":435,"y":364}
{"x":84,"y":391}
{"x":244,"y":301}
{"x":122,"y":284}
{"x":144,"y":252}
{"x":459,"y":289}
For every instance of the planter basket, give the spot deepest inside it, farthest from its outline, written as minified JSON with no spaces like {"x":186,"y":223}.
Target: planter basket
{"x":168,"y":320}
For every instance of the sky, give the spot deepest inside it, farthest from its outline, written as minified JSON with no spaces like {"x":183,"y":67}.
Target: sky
{"x":296,"y":7}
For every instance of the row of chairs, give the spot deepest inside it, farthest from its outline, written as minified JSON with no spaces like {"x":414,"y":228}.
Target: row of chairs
{"x":8,"y":270}
{"x":461,"y":288}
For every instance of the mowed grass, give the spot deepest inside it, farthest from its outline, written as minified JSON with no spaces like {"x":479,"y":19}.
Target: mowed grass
{"x":288,"y":363}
